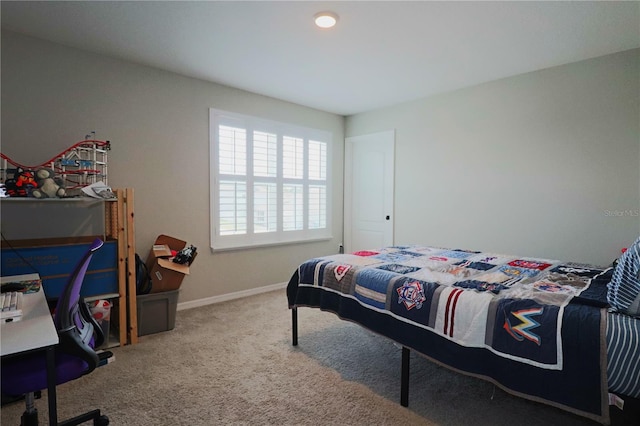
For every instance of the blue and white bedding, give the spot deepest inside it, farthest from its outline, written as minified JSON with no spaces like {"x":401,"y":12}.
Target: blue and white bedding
{"x":520,"y":322}
{"x":623,"y":359}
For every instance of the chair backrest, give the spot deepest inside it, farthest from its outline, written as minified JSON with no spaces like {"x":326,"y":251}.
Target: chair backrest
{"x":77,"y":329}
{"x":64,"y":314}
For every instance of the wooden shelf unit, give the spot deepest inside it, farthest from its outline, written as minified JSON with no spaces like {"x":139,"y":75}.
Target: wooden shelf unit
{"x":120,"y":226}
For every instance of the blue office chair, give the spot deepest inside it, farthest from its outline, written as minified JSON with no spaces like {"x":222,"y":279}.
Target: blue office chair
{"x":75,"y":356}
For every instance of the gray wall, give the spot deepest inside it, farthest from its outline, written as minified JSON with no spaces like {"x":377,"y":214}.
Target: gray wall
{"x":542,"y":164}
{"x":158,"y":123}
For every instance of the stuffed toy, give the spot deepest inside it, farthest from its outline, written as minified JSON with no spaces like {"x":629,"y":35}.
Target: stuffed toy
{"x":21,"y":184}
{"x":49,"y":186}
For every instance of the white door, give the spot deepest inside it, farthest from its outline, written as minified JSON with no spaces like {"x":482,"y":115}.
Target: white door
{"x":368,"y":192}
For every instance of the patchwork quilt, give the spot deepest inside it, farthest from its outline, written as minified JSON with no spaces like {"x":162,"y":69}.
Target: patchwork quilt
{"x":538,"y":313}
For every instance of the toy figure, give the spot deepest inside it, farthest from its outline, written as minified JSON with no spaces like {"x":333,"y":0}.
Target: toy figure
{"x":22,"y":184}
{"x":49,"y":186}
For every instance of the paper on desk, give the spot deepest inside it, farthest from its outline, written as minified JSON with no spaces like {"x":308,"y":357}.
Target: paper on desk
{"x":98,"y":190}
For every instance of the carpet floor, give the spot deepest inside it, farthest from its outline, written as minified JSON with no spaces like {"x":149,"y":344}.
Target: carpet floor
{"x":233,"y":364}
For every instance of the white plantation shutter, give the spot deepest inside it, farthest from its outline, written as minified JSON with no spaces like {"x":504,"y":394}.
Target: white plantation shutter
{"x":317,"y":160}
{"x":232,"y":150}
{"x":317,"y":184}
{"x":317,"y":206}
{"x":265,"y":207}
{"x":270,"y":182}
{"x":233,"y":208}
{"x":265,"y":160}
{"x":292,"y":207}
{"x":292,"y":157}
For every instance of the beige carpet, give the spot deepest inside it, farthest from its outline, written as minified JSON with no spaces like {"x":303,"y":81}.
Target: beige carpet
{"x":233,"y":364}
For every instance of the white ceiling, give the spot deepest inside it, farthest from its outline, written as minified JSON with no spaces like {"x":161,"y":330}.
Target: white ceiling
{"x":381,"y":53}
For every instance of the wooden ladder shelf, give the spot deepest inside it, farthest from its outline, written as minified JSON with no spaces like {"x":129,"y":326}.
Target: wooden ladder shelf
{"x":120,"y":226}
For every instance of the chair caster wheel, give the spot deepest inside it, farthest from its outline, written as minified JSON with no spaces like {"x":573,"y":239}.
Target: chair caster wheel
{"x":101,"y":421}
{"x":29,"y":418}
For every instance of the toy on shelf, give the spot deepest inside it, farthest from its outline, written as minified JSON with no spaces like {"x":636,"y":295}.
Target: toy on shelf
{"x":49,"y":185}
{"x":83,"y":164}
{"x":21,"y":184}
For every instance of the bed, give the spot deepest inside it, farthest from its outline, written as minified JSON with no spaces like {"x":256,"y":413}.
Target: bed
{"x":560,"y":333}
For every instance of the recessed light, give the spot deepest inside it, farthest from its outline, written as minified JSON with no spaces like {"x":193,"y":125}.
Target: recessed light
{"x":325,"y":19}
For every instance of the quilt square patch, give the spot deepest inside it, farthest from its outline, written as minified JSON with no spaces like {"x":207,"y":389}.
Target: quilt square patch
{"x":457,"y":254}
{"x":371,"y":286}
{"x":424,"y":250}
{"x":398,"y":269}
{"x":307,"y":271}
{"x":441,"y":258}
{"x":516,"y":272}
{"x":338,"y":276}
{"x":490,"y":258}
{"x":480,"y":266}
{"x":481,"y":286}
{"x":525,"y":329}
{"x":459,"y":270}
{"x":411,"y":299}
{"x":530,"y":264}
{"x":365,"y":253}
{"x":398,"y":256}
{"x":577,"y":269}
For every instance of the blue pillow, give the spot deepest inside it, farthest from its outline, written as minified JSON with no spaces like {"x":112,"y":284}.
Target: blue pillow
{"x":624,"y":289}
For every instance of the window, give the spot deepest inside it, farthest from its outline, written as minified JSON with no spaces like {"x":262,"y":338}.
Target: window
{"x":269,"y":182}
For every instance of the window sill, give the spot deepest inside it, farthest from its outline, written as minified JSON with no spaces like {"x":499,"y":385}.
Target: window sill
{"x":250,"y":246}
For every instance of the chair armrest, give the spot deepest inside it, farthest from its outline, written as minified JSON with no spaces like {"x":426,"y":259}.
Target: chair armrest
{"x":71,"y":344}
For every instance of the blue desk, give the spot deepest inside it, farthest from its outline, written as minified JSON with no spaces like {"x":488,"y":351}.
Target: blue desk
{"x":34,"y":332}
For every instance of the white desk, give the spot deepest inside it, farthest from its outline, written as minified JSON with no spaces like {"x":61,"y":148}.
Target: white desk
{"x":34,"y":332}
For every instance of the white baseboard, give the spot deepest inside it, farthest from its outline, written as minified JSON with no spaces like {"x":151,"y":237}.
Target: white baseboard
{"x":229,"y":296}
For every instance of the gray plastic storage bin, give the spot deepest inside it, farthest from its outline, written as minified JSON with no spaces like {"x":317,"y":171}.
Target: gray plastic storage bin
{"x":156,"y":312}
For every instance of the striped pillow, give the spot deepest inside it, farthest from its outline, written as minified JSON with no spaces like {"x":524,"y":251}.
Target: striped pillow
{"x":624,"y":289}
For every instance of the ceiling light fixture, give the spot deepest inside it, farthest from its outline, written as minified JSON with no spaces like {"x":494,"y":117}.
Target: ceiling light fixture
{"x":325,"y":19}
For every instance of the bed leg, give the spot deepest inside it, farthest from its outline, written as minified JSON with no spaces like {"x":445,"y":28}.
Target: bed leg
{"x":404,"y":378}
{"x":294,"y":325}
